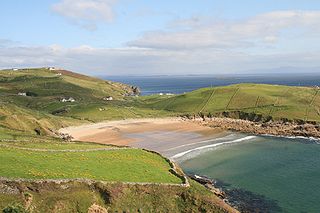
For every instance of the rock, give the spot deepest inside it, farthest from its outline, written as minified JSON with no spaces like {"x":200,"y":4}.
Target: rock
{"x":97,"y":209}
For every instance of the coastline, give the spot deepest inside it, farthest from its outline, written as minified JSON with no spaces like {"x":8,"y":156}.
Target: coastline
{"x":174,"y":136}
{"x":271,"y":128}
{"x":130,"y":132}
{"x":120,"y":132}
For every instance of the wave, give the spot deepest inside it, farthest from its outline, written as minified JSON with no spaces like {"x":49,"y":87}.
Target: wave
{"x":316,"y":140}
{"x":227,"y":137}
{"x":179,"y":155}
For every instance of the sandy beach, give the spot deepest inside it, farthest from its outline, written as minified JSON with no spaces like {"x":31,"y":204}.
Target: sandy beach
{"x":166,"y":135}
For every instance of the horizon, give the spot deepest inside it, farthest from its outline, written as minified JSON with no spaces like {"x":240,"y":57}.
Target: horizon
{"x":139,"y":37}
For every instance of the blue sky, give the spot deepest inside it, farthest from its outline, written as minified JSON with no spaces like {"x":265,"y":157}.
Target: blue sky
{"x":160,"y":37}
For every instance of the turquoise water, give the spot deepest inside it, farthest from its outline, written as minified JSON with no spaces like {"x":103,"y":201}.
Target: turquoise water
{"x":277,"y":174}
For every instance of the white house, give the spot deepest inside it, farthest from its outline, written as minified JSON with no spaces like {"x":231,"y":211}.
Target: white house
{"x":22,"y":93}
{"x":58,"y":74}
{"x":15,"y":69}
{"x":109,"y":98}
{"x":67,"y":99}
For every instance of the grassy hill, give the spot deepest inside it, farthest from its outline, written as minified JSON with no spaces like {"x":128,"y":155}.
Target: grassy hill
{"x":49,"y":168}
{"x":29,"y":120}
{"x":45,"y":89}
{"x":31,"y":111}
{"x":271,"y":101}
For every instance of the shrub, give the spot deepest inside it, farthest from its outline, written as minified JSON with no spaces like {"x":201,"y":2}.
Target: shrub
{"x":14,"y":208}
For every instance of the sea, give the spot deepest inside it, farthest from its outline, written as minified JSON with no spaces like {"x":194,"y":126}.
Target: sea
{"x":258,"y":173}
{"x":261,"y":173}
{"x":180,"y":84}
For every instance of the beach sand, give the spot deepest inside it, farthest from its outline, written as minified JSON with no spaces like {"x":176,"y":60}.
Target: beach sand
{"x":161,"y":135}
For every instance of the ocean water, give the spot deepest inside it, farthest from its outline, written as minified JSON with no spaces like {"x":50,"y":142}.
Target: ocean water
{"x":261,"y":173}
{"x":180,"y":84}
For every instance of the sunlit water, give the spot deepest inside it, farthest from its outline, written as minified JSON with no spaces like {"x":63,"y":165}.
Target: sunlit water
{"x":273,"y":174}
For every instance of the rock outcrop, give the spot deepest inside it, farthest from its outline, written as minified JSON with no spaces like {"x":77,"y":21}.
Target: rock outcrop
{"x":278,"y":128}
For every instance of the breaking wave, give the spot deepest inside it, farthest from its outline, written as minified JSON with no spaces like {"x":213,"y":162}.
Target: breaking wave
{"x":179,"y":155}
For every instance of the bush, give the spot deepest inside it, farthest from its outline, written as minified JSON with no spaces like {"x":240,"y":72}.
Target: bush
{"x":14,"y":208}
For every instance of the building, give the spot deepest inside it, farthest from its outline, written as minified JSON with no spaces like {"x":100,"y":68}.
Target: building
{"x":109,"y":98}
{"x":67,"y":99}
{"x":22,"y":93}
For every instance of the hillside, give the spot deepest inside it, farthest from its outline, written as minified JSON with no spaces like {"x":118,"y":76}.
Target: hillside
{"x":33,"y":98}
{"x":244,"y":100}
{"x":43,"y":173}
{"x":59,"y":98}
{"x":40,"y":166}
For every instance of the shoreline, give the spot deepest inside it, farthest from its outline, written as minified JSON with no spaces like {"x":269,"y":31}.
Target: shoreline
{"x":271,"y":128}
{"x":130,"y":132}
{"x":174,"y":136}
{"x":121,"y":129}
{"x":126,"y":132}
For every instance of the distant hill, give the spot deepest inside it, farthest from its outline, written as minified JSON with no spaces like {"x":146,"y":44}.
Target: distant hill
{"x":237,"y":101}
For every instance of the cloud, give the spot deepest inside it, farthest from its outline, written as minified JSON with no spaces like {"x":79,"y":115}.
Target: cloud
{"x":265,"y":28}
{"x":146,"y":61}
{"x":86,"y":13}
{"x":193,"y":46}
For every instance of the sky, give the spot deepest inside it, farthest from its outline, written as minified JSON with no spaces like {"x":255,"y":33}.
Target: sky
{"x":148,"y":37}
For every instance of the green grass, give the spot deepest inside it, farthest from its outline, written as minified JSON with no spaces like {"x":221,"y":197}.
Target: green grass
{"x":117,"y":197}
{"x":22,"y":118}
{"x":268,"y":100}
{"x":43,"y":144}
{"x":127,"y":165}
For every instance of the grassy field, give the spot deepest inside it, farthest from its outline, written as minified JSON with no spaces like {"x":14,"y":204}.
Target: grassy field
{"x":125,"y":165}
{"x":268,"y":100}
{"x":43,"y":110}
{"x":117,"y":197}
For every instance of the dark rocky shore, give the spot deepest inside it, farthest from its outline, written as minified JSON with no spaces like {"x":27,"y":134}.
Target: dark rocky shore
{"x":240,"y":199}
{"x":277,"y":128}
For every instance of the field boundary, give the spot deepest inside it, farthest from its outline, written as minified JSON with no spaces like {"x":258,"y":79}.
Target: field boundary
{"x":87,"y":181}
{"x":64,"y":150}
{"x":311,"y":103}
{"x":233,"y":95}
{"x":208,"y":100}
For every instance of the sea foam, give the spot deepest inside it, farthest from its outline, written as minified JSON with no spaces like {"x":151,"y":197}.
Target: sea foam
{"x":179,"y":155}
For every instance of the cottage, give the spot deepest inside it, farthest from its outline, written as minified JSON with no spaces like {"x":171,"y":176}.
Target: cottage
{"x":109,"y":98}
{"x":22,"y":93}
{"x":67,"y":100}
{"x":51,"y":68}
{"x":58,"y":74}
{"x":15,"y":69}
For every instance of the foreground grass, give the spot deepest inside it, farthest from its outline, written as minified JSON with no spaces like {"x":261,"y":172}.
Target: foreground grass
{"x":117,"y":197}
{"x":126,"y":165}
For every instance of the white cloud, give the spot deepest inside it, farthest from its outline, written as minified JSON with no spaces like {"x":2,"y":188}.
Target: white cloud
{"x":192,"y":46}
{"x":86,"y":12}
{"x":146,"y":61}
{"x":195,"y":34}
